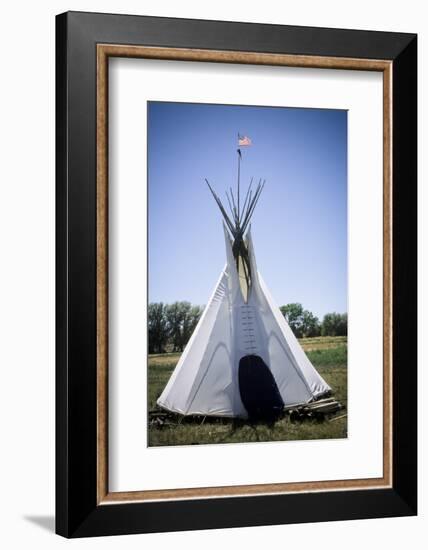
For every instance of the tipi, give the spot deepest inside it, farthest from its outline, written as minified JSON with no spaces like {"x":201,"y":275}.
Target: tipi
{"x":242,"y":359}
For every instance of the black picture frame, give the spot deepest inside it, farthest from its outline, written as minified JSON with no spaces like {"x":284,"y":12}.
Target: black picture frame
{"x":78,"y":513}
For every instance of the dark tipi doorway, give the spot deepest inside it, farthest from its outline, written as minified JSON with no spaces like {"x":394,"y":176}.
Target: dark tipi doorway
{"x":258,"y":389}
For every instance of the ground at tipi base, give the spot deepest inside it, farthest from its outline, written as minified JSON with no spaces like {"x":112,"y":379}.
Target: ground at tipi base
{"x":329,"y":357}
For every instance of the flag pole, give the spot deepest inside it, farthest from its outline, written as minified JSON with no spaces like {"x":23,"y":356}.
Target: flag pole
{"x":239,"y":173}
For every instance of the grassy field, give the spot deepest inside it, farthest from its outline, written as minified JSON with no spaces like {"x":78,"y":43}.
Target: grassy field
{"x":328,"y":355}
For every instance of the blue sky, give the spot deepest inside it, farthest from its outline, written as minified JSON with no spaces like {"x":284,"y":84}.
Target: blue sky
{"x":299,"y":226}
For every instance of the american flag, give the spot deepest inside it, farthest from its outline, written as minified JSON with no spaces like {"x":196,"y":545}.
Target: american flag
{"x":243,"y":140}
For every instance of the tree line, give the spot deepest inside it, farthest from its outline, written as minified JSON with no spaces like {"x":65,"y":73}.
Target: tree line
{"x":304,"y":324}
{"x":171,"y":325}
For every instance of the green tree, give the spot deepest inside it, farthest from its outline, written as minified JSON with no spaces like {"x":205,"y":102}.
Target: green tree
{"x":342,"y":329}
{"x":171,"y":325}
{"x":335,"y":324}
{"x":158,"y":329}
{"x":310,"y":325}
{"x":182,"y":319}
{"x":293,"y":314}
{"x":302,"y":322}
{"x":174,"y":316}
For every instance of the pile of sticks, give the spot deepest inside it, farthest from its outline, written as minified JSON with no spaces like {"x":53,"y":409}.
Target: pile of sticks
{"x":159,"y":419}
{"x":318,"y":410}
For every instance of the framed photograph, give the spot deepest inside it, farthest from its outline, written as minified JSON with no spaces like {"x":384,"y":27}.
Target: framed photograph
{"x":236,"y":274}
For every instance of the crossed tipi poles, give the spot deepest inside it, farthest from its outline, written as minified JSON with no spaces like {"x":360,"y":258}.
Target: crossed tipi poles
{"x":238,"y":219}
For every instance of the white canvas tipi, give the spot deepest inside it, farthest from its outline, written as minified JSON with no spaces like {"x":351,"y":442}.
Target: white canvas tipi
{"x":242,"y":359}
